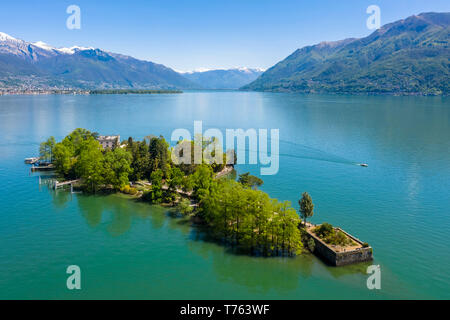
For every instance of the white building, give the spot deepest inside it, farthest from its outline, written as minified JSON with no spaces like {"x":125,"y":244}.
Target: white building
{"x":109,"y":142}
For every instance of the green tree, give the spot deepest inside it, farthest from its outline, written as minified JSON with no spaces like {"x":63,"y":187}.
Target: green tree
{"x":141,"y":159}
{"x":77,"y":137}
{"x":184,"y":207}
{"x":130,"y":142}
{"x":156,"y":193}
{"x":250,"y":181}
{"x":64,"y":160}
{"x":90,"y":164}
{"x":117,"y":167}
{"x":175,"y":179}
{"x":202,"y":180}
{"x":47,"y":149}
{"x":250,"y":220}
{"x":187,"y":184}
{"x":306,"y":207}
{"x":178,"y":152}
{"x":159,"y":154}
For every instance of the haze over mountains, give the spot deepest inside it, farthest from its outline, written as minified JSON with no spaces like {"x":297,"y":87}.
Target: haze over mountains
{"x":409,"y":56}
{"x":223,"y":79}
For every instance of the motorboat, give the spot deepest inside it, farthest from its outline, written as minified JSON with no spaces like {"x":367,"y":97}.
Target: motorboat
{"x":364,"y":165}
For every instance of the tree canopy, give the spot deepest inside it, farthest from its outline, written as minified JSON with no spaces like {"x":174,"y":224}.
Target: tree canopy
{"x":235,"y":211}
{"x":80,"y":156}
{"x":159,"y":154}
{"x":250,"y":181}
{"x":306,"y":206}
{"x":47,"y":149}
{"x":250,"y":220}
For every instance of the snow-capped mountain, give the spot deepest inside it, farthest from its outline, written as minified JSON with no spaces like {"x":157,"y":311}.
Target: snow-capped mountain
{"x":223,"y":78}
{"x":12,"y":46}
{"x":6,"y":37}
{"x":43,"y":66}
{"x":71,"y":50}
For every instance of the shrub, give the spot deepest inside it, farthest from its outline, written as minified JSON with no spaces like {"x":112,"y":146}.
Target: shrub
{"x":129,"y":190}
{"x":331,"y":236}
{"x":324,"y":230}
{"x":152,"y":196}
{"x":341,"y":239}
{"x":125,"y":189}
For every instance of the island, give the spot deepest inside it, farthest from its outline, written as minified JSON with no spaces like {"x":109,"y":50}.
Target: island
{"x":234,"y":212}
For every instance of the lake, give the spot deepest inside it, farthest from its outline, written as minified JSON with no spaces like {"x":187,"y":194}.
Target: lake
{"x":126,"y":249}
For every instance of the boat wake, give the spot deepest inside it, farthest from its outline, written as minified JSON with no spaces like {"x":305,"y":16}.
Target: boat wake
{"x":299,"y":151}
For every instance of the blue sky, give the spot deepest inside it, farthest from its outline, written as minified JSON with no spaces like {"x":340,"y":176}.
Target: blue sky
{"x":192,"y":34}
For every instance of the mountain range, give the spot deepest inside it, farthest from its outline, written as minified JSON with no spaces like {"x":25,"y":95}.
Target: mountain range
{"x":39,"y":65}
{"x":223,"y":79}
{"x":25,"y":65}
{"x":409,"y":56}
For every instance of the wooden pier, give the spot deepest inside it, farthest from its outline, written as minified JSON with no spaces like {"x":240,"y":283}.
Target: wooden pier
{"x":57,"y":184}
{"x":42,"y":168}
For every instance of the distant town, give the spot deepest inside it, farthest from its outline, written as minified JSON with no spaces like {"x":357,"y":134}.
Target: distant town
{"x":19,"y":91}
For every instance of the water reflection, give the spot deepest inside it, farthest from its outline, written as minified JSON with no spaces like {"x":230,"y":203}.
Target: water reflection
{"x":60,"y":199}
{"x":259,"y":275}
{"x":117,"y":213}
{"x":265,"y":274}
{"x":91,"y":210}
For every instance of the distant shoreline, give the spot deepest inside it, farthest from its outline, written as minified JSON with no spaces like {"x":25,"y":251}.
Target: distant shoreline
{"x":127,"y":91}
{"x":88,"y":92}
{"x":353,"y":93}
{"x":130,"y":91}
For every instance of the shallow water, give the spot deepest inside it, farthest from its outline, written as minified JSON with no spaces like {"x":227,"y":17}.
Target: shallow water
{"x":132,"y":250}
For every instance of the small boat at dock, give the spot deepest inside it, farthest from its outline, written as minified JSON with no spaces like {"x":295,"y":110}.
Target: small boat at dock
{"x":50,"y":167}
{"x":31,"y":160}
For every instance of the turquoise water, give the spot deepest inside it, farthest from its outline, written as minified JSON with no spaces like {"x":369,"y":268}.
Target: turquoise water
{"x":125,"y":249}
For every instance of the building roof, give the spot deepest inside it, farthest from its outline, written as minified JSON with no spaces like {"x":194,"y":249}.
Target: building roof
{"x":108,"y":138}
